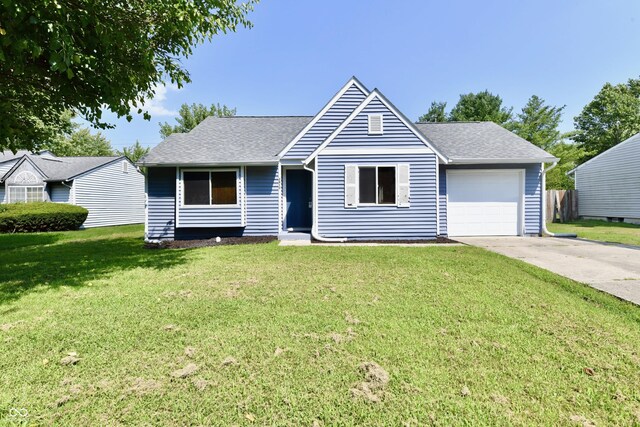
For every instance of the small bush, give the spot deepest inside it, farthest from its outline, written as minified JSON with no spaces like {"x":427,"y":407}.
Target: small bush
{"x":43,"y":216}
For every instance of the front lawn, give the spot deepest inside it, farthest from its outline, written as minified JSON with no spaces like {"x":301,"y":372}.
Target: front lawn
{"x":268,"y":335}
{"x":613,"y":232}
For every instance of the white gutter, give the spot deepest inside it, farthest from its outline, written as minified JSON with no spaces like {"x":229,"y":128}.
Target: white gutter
{"x":314,"y":226}
{"x":545,"y":231}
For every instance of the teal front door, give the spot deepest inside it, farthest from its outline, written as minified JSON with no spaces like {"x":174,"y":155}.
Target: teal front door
{"x":299,"y":199}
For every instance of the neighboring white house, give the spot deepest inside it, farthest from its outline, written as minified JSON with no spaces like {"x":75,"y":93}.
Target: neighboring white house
{"x":111,"y":188}
{"x":609,"y":184}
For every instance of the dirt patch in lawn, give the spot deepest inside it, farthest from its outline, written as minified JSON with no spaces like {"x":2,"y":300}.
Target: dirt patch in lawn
{"x":224,"y":241}
{"x":375,"y":380}
{"x":438,"y":239}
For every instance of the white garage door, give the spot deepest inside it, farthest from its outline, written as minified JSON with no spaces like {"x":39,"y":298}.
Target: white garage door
{"x":484,"y":202}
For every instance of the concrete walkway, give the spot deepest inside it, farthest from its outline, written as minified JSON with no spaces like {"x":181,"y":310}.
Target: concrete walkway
{"x":609,"y":267}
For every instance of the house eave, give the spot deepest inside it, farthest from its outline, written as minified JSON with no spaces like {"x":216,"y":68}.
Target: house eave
{"x":479,"y":161}
{"x":207,"y":164}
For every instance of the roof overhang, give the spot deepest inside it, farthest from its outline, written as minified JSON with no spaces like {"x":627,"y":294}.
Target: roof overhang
{"x":207,"y":164}
{"x":478,"y":161}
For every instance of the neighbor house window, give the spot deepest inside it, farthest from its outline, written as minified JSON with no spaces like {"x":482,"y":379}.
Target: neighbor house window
{"x":26,"y":194}
{"x":377,"y":185}
{"x":210,"y":188}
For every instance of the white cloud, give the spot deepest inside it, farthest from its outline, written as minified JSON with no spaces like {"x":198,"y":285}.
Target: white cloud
{"x":155,"y":106}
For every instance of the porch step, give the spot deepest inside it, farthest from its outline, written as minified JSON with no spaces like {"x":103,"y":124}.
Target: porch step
{"x":294,"y":235}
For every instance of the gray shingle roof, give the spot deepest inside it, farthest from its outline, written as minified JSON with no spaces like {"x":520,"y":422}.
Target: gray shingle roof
{"x":63,"y":168}
{"x":239,"y":139}
{"x":258,"y":139}
{"x":7,"y":155}
{"x":473,"y":141}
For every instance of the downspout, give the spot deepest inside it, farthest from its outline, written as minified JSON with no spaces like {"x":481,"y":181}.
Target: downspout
{"x":314,"y":226}
{"x":545,"y":231}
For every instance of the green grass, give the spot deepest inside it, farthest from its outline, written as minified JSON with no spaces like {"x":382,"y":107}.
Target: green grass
{"x":436,"y":319}
{"x":614,"y":232}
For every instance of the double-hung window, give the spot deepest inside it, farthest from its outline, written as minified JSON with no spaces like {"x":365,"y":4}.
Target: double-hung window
{"x":377,"y":185}
{"x":210,"y":188}
{"x":26,"y":194}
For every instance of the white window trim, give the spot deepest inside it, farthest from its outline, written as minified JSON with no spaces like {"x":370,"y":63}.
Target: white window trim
{"x":209,"y":206}
{"x":369,"y":117}
{"x":376,"y":204}
{"x":10,"y":187}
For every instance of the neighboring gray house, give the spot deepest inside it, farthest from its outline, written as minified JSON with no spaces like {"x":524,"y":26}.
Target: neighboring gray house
{"x":111,"y":188}
{"x":359,"y":169}
{"x":609,"y":184}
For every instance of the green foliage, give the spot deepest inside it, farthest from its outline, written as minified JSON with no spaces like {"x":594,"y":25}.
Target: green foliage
{"x":81,"y":143}
{"x":134,"y":152}
{"x":481,"y":106}
{"x":569,"y":155}
{"x":611,"y":117}
{"x":41,"y":216}
{"x":436,"y":113}
{"x":72,"y":140}
{"x":91,"y":56}
{"x":190,"y":115}
{"x":538,"y":123}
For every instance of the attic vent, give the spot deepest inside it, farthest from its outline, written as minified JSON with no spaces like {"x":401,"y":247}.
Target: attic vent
{"x":375,"y":124}
{"x":125,"y":166}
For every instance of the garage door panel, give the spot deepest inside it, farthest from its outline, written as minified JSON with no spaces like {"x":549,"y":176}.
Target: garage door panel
{"x":484,"y":203}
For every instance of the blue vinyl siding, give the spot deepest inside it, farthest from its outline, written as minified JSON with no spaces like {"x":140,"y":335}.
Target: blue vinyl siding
{"x":261,"y":186}
{"x":377,"y":222}
{"x":262,"y":200}
{"x":442,"y":200}
{"x":396,"y":134}
{"x":532,"y":193}
{"x":112,"y":196}
{"x":326,"y":124}
{"x":161,"y":203}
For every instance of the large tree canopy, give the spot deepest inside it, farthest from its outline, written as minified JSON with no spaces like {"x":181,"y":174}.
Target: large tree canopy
{"x":538,"y":123}
{"x":190,"y":115}
{"x":436,"y":113}
{"x":92,"y":55}
{"x":481,"y":106}
{"x":134,"y":152}
{"x":611,"y":117}
{"x":74,"y":140}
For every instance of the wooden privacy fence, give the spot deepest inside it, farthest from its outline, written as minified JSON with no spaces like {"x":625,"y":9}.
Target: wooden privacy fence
{"x":562,"y":205}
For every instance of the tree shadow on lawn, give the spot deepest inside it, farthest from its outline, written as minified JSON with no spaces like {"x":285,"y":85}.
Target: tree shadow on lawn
{"x":74,"y":263}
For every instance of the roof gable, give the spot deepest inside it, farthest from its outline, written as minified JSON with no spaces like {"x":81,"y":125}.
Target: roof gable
{"x":326,"y":120}
{"x":63,"y":168}
{"x":379,"y":103}
{"x":18,"y":166}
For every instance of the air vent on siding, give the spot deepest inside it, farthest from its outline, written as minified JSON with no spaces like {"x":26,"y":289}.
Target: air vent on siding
{"x":375,"y":124}
{"x":125,"y":166}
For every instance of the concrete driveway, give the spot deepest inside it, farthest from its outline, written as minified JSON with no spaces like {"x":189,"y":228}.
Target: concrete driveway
{"x":609,"y":267}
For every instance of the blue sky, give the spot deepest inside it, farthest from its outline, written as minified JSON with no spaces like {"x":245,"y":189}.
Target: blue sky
{"x":299,"y":53}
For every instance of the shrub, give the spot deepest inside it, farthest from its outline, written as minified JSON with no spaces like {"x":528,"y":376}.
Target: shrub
{"x":42,"y":216}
